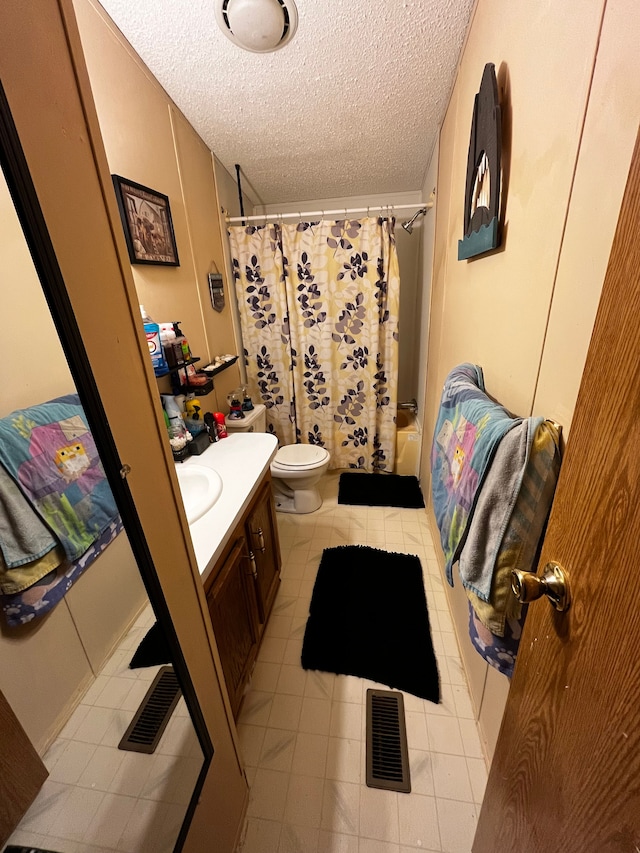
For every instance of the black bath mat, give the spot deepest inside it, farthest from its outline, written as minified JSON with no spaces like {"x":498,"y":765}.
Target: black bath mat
{"x":368,"y":617}
{"x":153,"y":649}
{"x":380,"y":490}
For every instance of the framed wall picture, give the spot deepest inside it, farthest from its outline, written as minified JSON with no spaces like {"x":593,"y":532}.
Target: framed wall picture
{"x":482,"y":186}
{"x":146,"y":219}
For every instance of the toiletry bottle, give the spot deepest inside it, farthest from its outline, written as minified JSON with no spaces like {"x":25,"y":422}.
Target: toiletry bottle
{"x":168,"y":340}
{"x":177,"y":428}
{"x":152,"y":333}
{"x":211,"y":427}
{"x":220,"y":424}
{"x":193,"y":415}
{"x":182,"y":342}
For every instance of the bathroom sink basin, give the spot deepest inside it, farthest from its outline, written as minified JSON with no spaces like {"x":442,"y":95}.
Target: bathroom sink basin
{"x":200,"y":488}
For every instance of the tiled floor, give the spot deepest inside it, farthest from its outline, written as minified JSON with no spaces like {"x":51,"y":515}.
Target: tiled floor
{"x":302,"y":733}
{"x":99,"y":799}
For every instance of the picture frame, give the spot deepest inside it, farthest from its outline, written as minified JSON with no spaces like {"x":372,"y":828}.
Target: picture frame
{"x":146,"y":220}
{"x":482,"y":230}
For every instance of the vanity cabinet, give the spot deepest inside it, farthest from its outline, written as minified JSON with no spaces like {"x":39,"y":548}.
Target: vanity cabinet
{"x":262,"y":537}
{"x":241,"y":589}
{"x":232,"y":607}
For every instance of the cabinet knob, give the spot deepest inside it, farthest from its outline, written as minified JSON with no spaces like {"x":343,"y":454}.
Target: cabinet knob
{"x":260,"y":534}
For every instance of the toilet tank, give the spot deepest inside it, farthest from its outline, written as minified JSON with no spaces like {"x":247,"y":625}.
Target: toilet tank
{"x":253,"y":421}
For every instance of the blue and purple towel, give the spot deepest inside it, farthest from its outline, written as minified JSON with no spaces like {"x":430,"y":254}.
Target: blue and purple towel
{"x":42,"y":596}
{"x":50,"y":453}
{"x":53,"y":491}
{"x":499,"y":652}
{"x":469,"y":428}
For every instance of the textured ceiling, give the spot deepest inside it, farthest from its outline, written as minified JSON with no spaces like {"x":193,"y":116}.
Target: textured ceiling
{"x":351,"y":106}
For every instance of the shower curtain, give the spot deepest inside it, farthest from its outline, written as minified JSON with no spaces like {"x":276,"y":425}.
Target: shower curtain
{"x":319,"y":314}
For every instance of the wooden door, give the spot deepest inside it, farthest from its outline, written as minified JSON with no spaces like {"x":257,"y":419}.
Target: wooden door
{"x":262,"y":537}
{"x":234,"y":619}
{"x":566,"y":772}
{"x":22,"y":773}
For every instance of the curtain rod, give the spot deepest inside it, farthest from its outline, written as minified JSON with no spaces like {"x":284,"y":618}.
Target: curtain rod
{"x":343,"y":210}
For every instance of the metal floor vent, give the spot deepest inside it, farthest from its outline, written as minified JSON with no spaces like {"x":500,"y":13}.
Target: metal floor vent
{"x":151,"y":718}
{"x":387,"y":753}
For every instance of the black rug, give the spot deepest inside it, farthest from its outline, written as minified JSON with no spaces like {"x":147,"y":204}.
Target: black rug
{"x":153,"y":649}
{"x":380,"y":490}
{"x":368,"y":617}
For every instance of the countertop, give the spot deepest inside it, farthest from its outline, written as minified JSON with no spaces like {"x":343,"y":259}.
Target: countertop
{"x":241,"y":460}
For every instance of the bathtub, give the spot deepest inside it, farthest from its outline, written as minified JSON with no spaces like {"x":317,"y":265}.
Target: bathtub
{"x":407,"y":443}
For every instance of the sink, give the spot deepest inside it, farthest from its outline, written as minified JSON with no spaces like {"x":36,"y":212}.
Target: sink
{"x":200,"y":488}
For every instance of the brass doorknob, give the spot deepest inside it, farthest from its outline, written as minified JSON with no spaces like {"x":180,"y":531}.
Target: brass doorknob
{"x":554,"y":583}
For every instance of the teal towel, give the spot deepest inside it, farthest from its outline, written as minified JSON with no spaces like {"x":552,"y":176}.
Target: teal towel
{"x":23,"y":535}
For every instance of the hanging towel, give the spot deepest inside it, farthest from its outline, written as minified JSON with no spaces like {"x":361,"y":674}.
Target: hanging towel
{"x":499,"y":652}
{"x":50,"y":453}
{"x":468,"y":430}
{"x":22,"y":577}
{"x":523,"y":534}
{"x":41,"y":597}
{"x":24,"y":537}
{"x":494,"y":507}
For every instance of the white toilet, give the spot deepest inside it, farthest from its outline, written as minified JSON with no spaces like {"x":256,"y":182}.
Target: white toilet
{"x":296,"y":469}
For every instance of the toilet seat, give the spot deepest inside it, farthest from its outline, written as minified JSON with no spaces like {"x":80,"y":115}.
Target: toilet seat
{"x":300,"y":457}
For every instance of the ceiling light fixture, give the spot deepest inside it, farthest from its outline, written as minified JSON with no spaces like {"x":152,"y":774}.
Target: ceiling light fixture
{"x":260,"y":26}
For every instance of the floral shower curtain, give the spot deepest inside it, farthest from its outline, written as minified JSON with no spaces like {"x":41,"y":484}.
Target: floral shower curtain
{"x":319,"y":312}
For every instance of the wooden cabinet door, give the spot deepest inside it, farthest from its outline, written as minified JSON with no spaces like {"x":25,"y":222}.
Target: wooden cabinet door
{"x":262,"y":537}
{"x":232,"y":608}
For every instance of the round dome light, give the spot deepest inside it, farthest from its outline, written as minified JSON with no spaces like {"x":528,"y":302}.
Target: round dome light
{"x":260,"y":26}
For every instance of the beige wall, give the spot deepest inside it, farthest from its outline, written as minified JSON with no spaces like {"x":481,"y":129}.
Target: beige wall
{"x":44,"y":374}
{"x":149,"y":141}
{"x":85,"y":626}
{"x":525,"y":313}
{"x":425,"y":272}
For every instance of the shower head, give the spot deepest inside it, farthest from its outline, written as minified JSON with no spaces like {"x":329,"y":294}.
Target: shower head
{"x":408,"y":225}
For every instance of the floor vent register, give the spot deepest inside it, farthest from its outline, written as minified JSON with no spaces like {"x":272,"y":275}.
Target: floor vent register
{"x":151,"y":718}
{"x":387,"y":753}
